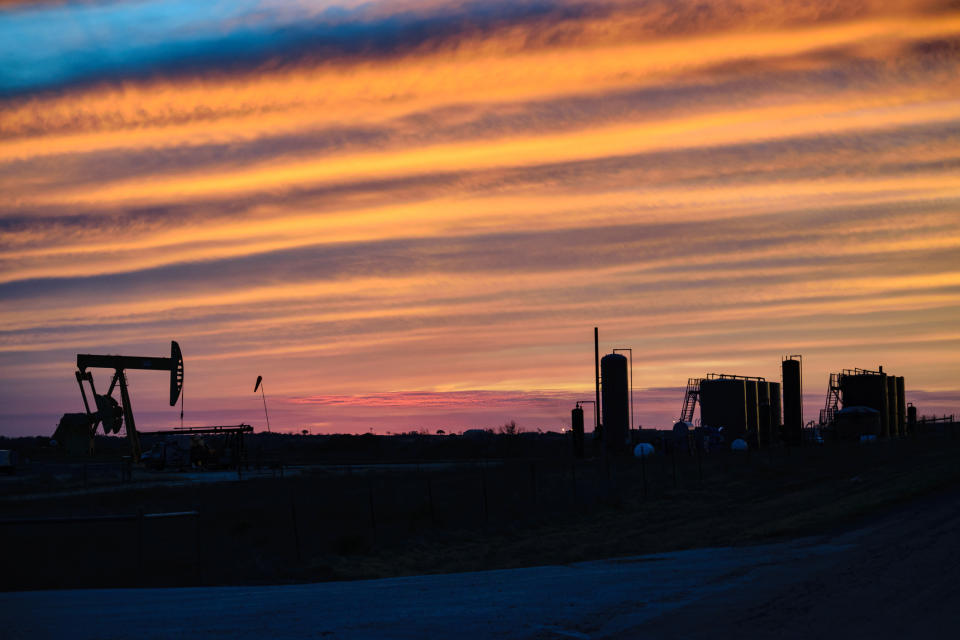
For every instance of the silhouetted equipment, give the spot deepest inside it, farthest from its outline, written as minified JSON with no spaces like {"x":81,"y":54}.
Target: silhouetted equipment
{"x":576,"y":419}
{"x":690,"y":400}
{"x":598,"y":428}
{"x":892,"y":411}
{"x":911,"y":417}
{"x":853,"y":423}
{"x":616,"y":401}
{"x":764,"y":438}
{"x":832,"y":404}
{"x":76,"y":430}
{"x":75,"y":434}
{"x":630,"y":401}
{"x":901,"y":407}
{"x":723,"y":404}
{"x":865,"y":388}
{"x":232,"y":454}
{"x":681,"y":437}
{"x":792,"y":373}
{"x":776,"y":421}
{"x":753,"y":406}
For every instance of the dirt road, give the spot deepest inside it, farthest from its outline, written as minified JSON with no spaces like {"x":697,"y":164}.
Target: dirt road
{"x":896,"y":577}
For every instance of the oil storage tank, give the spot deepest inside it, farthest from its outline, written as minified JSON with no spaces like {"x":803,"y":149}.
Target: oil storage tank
{"x":862,"y":388}
{"x":792,"y":401}
{"x":775,"y":420}
{"x":901,"y":407}
{"x":576,"y":424}
{"x":753,"y":403}
{"x":892,"y":411}
{"x":723,"y":403}
{"x":615,"y":400}
{"x":765,"y":413}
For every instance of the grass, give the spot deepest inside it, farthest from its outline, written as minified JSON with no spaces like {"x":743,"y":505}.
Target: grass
{"x":514,"y":513}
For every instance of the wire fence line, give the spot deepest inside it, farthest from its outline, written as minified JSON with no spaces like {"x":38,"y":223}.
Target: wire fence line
{"x":291,"y":524}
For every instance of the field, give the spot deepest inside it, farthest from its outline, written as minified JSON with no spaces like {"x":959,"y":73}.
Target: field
{"x":349,"y":516}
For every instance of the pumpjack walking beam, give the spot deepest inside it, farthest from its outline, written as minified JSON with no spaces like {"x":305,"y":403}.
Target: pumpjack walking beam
{"x":173,"y":364}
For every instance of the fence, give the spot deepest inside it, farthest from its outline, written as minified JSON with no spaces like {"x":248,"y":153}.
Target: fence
{"x":314,"y":524}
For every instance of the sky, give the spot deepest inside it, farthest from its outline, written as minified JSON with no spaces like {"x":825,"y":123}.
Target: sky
{"x":411,"y":214}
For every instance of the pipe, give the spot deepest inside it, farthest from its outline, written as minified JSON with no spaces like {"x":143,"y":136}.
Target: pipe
{"x":596,"y":366}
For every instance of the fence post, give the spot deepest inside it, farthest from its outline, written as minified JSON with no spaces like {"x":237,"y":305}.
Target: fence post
{"x":486,"y":506}
{"x":373,"y":516}
{"x":140,"y":545}
{"x":643,"y":470}
{"x":573,"y":480}
{"x":199,"y":558}
{"x":296,"y":530}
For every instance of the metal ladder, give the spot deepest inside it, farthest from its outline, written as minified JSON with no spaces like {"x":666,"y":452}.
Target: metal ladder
{"x":690,"y":400}
{"x":832,"y":403}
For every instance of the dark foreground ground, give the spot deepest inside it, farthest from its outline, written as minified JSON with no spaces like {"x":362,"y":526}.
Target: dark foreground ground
{"x":892,"y":576}
{"x":71,"y":528}
{"x":895,"y":577}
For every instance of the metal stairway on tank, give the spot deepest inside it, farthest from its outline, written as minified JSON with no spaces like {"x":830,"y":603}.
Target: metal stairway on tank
{"x":690,"y":400}
{"x":832,"y":403}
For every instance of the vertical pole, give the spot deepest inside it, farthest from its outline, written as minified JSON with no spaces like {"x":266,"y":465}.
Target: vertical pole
{"x":643,"y":471}
{"x":296,"y":530}
{"x":199,"y":557}
{"x":573,"y":479}
{"x":596,"y":368}
{"x":263,"y":395}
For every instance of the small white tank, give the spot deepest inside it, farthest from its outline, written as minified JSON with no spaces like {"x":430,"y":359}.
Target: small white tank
{"x":643,"y":450}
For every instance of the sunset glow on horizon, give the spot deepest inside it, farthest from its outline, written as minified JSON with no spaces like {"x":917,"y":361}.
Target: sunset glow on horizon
{"x":411,"y":214}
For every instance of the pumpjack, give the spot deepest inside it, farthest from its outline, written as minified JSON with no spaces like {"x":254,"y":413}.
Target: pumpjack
{"x":76,"y":430}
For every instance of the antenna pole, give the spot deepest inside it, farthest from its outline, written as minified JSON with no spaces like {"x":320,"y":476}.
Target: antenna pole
{"x":266,"y":415}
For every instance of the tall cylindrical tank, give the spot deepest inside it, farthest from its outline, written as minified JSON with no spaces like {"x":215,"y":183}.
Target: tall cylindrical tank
{"x":615,"y":399}
{"x":576,"y":420}
{"x":901,"y":407}
{"x":723,"y":403}
{"x":892,"y":411}
{"x":752,"y":397}
{"x":775,"y":420}
{"x":911,"y":418}
{"x":792,"y":402}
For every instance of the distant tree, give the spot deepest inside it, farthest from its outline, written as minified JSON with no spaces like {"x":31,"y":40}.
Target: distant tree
{"x":510,"y":429}
{"x":441,"y":432}
{"x":305,"y":432}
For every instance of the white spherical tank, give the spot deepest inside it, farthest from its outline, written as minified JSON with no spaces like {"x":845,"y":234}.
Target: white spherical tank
{"x":739,"y":445}
{"x":643,"y":450}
